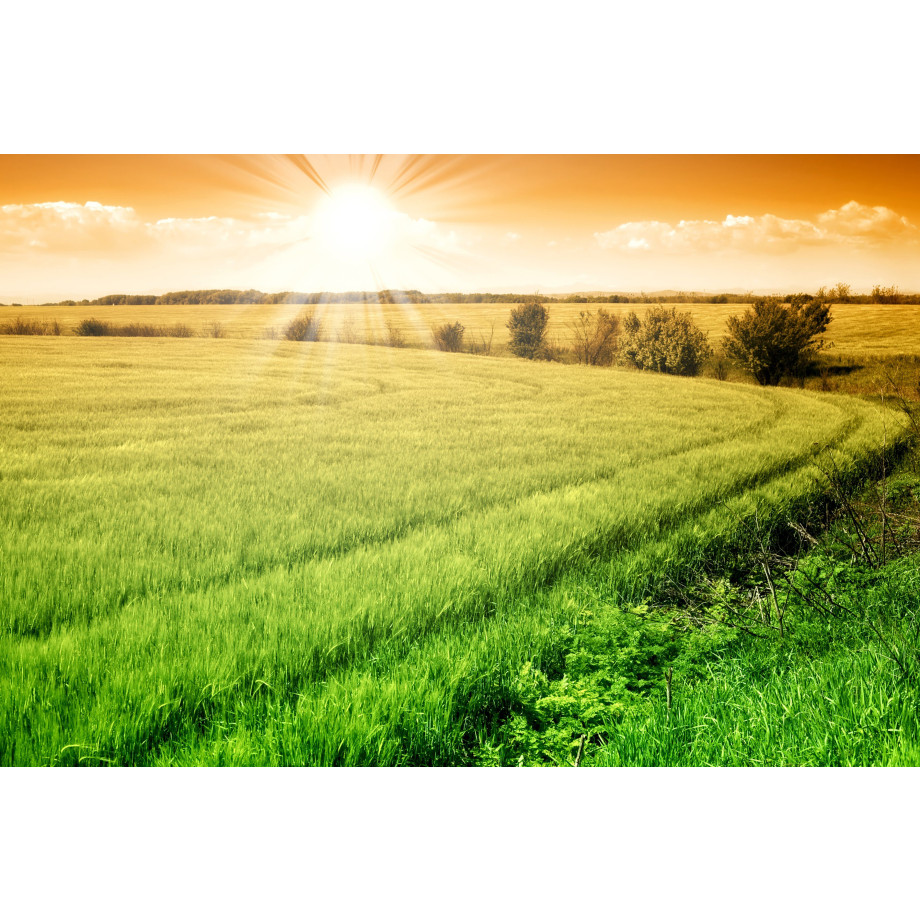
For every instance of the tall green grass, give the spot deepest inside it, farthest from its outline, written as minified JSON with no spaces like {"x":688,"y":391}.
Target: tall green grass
{"x":315,"y":553}
{"x":830,"y":695}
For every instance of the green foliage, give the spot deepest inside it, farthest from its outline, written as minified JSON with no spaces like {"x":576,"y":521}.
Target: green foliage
{"x":665,"y":341}
{"x":448,"y":336}
{"x":773,"y":339}
{"x":838,"y":686}
{"x":829,"y":694}
{"x":527,"y":329}
{"x":608,"y":663}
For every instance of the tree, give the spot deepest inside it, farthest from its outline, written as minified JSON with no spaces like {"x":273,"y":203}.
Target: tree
{"x":527,"y":326}
{"x":841,"y":293}
{"x":885,"y":294}
{"x":665,"y":341}
{"x":594,"y":336}
{"x":800,"y":300}
{"x":772,"y":339}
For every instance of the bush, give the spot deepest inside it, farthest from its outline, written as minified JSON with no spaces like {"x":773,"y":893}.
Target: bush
{"x":886,"y":295}
{"x":449,"y":336}
{"x":215,"y":330}
{"x":527,"y":326}
{"x":395,"y":338}
{"x":720,"y":370}
{"x":553,"y":351}
{"x":772,"y":339}
{"x":93,"y":326}
{"x":665,"y":341}
{"x":594,"y":337}
{"x":305,"y":327}
{"x":348,"y":331}
{"x":484,"y":345}
{"x":20,"y":326}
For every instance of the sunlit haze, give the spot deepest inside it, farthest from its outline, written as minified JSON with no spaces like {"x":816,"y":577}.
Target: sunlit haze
{"x":84,"y":226}
{"x":354,"y":222}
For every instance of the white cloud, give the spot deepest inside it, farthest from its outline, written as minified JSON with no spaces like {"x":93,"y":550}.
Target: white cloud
{"x":852,"y":224}
{"x":859,"y":221}
{"x":59,"y":227}
{"x":65,"y":225}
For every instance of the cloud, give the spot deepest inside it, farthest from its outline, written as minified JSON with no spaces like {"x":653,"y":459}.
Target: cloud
{"x":66,"y":227}
{"x":227,"y":233}
{"x":69,"y":227}
{"x":858,"y":221}
{"x":852,"y":224}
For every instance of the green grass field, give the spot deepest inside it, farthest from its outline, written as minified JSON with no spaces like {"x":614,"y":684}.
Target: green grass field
{"x":229,"y":551}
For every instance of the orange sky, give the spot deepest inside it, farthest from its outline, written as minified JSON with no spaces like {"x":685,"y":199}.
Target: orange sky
{"x":81,"y":226}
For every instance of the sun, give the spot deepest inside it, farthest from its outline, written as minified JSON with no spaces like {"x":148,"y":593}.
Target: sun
{"x":354,"y":222}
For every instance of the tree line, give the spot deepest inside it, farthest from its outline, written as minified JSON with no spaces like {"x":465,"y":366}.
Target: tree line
{"x":221,"y":296}
{"x":840,"y":293}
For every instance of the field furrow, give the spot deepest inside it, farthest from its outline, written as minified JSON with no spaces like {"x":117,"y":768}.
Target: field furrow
{"x":226,"y":514}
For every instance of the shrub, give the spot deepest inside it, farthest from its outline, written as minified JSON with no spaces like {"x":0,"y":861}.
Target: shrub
{"x":348,"y":331}
{"x":93,"y":326}
{"x":395,"y":338}
{"x":553,"y":351}
{"x":772,"y":339}
{"x":20,"y":326}
{"x":484,"y":345}
{"x":886,"y":294}
{"x":137,"y":330}
{"x":449,"y":336}
{"x":305,"y":327}
{"x":527,"y":326}
{"x":215,"y":330}
{"x":665,"y":341}
{"x":720,"y":370}
{"x":594,"y":337}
